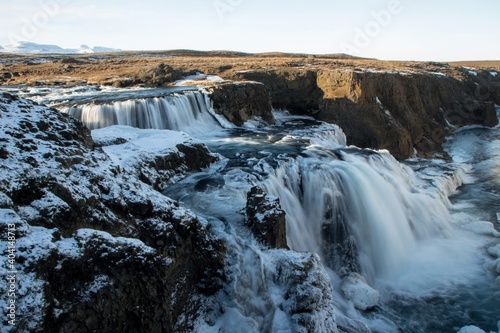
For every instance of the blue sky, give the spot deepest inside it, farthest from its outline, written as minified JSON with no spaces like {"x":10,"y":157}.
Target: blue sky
{"x":384,"y":29}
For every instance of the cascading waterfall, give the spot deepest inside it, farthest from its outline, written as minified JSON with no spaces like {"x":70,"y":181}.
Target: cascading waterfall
{"x":365,"y":203}
{"x":190,"y":112}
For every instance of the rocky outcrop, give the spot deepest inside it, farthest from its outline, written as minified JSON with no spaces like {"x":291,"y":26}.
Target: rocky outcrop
{"x":138,"y":151}
{"x":242,"y":101}
{"x":265,"y":218}
{"x":308,"y":294}
{"x":399,"y":111}
{"x":293,"y":89}
{"x":96,"y":248}
{"x":160,"y":75}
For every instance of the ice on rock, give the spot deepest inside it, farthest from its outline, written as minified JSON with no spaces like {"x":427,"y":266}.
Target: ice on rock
{"x":471,"y":329}
{"x":356,"y":289}
{"x":495,"y":251}
{"x":482,"y":228}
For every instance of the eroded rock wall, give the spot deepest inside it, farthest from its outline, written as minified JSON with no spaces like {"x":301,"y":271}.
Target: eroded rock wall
{"x":239,"y":102}
{"x":398,"y":111}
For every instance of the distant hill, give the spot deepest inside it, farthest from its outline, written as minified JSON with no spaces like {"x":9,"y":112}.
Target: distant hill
{"x":22,"y":47}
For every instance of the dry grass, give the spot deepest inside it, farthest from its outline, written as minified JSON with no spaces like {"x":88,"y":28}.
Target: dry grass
{"x":488,"y":64}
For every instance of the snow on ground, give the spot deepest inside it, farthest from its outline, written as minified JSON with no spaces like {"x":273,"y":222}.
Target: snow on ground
{"x":138,"y":140}
{"x":199,"y":79}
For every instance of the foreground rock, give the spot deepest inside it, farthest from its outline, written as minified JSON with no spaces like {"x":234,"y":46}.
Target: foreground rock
{"x":155,"y":156}
{"x":96,"y":248}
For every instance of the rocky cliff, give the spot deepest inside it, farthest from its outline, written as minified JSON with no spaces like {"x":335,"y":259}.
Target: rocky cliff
{"x":401,"y":111}
{"x":239,"y":102}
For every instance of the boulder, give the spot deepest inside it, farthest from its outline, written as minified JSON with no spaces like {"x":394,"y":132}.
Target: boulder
{"x":160,"y":75}
{"x":265,"y":218}
{"x":356,"y":289}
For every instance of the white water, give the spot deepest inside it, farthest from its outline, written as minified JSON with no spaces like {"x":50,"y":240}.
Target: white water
{"x":190,"y":112}
{"x":370,"y":194}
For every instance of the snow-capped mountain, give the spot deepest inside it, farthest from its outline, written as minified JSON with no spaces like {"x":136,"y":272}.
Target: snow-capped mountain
{"x":29,"y":47}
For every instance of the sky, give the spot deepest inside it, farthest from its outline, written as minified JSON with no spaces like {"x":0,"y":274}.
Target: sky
{"x":429,"y":30}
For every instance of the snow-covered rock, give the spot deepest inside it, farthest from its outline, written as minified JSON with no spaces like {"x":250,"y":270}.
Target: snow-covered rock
{"x":356,"y":289}
{"x":266,"y":218}
{"x":471,"y":329}
{"x":154,"y":156}
{"x":96,"y":248}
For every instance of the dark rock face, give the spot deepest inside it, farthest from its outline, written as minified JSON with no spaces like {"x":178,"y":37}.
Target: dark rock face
{"x":160,"y":75}
{"x":97,"y":249}
{"x":266,"y":218}
{"x":243,"y":101}
{"x":292,"y":89}
{"x":399,"y":112}
{"x":386,"y":110}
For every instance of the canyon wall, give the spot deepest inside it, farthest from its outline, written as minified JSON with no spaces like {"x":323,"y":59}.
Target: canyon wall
{"x":399,"y":111}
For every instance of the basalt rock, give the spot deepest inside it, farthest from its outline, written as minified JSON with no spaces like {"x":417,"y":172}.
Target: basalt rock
{"x":293,"y":89}
{"x":403,"y":111}
{"x":266,"y":218}
{"x":242,"y":101}
{"x":399,"y":112}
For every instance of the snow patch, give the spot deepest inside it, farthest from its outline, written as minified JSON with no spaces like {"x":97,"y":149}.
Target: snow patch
{"x":356,"y":289}
{"x":439,"y":74}
{"x":199,"y":79}
{"x":471,"y":329}
{"x":139,"y":140}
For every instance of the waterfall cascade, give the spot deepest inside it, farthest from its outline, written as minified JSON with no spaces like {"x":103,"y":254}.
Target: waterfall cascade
{"x":190,"y":112}
{"x":361,"y":211}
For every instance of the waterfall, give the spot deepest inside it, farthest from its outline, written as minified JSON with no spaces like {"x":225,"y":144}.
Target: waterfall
{"x":361,"y":211}
{"x":190,"y":112}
